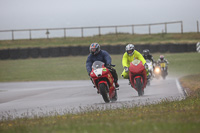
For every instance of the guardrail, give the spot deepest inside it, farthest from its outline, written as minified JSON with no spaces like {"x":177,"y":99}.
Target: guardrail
{"x":47,"y":30}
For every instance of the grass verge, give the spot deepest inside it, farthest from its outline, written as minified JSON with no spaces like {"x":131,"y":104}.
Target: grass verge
{"x":191,"y":83}
{"x":110,"y":39}
{"x":73,"y":68}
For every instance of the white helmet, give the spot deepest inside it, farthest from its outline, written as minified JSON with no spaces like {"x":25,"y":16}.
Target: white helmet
{"x":130,"y":49}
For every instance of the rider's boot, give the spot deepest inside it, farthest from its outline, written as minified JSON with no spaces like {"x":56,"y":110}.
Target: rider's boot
{"x":114,"y":73}
{"x":116,"y":82}
{"x":116,"y":85}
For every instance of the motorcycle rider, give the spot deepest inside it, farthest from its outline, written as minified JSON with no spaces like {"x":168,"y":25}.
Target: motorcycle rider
{"x":147,"y":55}
{"x":96,"y":54}
{"x":128,"y":57}
{"x":163,"y":60}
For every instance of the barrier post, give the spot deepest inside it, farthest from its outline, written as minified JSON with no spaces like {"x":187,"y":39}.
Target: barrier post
{"x":132,"y":29}
{"x":166,"y":28}
{"x":30,"y":37}
{"x":82,"y":32}
{"x":64,"y":32}
{"x":47,"y":33}
{"x":149,"y":29}
{"x":99,"y":31}
{"x":182,"y":27}
{"x":13,"y":35}
{"x":116,"y":30}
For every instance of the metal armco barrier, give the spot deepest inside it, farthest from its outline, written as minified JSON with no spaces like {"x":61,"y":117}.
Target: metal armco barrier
{"x":26,"y":53}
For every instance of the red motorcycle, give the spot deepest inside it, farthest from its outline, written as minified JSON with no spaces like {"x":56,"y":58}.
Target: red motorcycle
{"x":138,"y":76}
{"x":103,"y":81}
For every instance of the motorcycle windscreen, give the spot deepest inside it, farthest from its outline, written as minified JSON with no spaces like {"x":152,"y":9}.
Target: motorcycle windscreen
{"x":97,"y":64}
{"x":136,"y":62}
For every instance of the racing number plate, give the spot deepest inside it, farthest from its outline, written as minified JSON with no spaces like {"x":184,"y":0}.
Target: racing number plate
{"x":162,"y":64}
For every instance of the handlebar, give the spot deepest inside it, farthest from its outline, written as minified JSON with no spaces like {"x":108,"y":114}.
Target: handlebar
{"x":112,"y":65}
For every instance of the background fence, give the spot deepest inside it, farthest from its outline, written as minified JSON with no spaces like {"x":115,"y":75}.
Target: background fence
{"x":65,"y":32}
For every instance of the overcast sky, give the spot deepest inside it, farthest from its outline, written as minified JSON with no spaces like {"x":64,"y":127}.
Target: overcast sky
{"x":27,"y":14}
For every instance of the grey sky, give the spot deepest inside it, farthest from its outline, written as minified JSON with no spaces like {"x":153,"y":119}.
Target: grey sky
{"x":23,"y":14}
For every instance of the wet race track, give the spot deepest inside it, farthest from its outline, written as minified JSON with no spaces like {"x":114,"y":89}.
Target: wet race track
{"x":22,"y":99}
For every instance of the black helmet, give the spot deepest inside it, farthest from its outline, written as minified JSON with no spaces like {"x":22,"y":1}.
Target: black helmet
{"x":146,"y":52}
{"x":94,"y":48}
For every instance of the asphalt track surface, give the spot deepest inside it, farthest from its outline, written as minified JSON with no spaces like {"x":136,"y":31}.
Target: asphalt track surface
{"x":28,"y":99}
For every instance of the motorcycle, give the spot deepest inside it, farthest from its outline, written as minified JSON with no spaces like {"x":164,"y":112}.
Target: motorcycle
{"x":160,"y":70}
{"x":163,"y":68}
{"x":138,"y":76}
{"x":150,"y":67}
{"x":103,"y":81}
{"x":157,"y":71}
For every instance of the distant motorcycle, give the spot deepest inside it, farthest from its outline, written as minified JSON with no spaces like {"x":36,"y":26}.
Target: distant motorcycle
{"x":160,"y":70}
{"x":163,"y":67}
{"x":157,"y":71}
{"x":150,"y":67}
{"x":103,"y":81}
{"x":138,"y":76}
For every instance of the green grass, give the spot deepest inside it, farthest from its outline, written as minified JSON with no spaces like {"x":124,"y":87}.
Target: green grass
{"x":66,"y":68}
{"x":110,"y":39}
{"x":183,"y":64}
{"x":73,"y":68}
{"x":191,"y":83}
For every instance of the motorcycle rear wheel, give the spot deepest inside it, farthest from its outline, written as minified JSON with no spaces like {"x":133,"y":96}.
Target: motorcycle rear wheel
{"x":104,"y":93}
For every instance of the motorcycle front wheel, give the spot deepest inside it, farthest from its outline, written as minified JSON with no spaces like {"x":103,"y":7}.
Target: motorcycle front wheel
{"x":104,"y":92}
{"x":115,"y":97}
{"x":164,"y":75}
{"x":139,"y":87}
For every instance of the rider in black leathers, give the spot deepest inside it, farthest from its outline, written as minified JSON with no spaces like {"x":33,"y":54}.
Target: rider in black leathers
{"x":147,"y":55}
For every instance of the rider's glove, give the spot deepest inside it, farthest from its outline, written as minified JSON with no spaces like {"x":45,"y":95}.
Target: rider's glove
{"x":126,"y":69}
{"x":108,"y":66}
{"x":145,"y":66}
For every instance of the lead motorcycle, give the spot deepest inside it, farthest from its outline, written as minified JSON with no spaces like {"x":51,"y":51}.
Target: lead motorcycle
{"x":103,"y":81}
{"x":138,"y":76}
